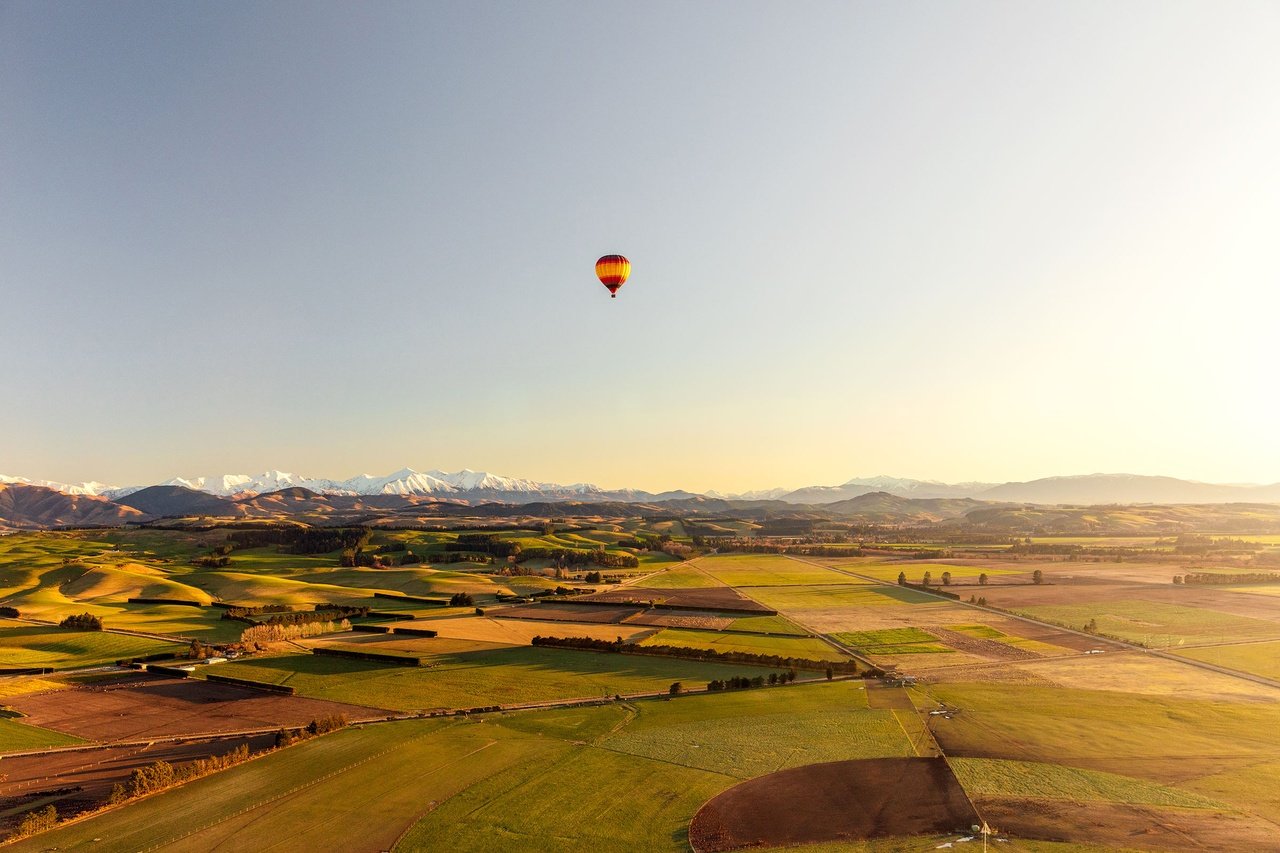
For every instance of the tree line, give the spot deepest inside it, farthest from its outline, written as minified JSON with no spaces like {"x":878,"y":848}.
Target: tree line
{"x":619,"y":647}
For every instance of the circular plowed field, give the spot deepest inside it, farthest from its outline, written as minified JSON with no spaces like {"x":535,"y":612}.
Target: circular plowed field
{"x":842,"y":800}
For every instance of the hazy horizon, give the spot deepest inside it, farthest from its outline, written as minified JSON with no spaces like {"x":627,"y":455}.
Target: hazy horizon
{"x":990,"y":242}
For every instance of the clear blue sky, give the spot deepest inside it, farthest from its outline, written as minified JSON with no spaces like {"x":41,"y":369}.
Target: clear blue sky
{"x":964,"y":241}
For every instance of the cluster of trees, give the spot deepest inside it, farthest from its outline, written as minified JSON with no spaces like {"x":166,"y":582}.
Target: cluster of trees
{"x":484,"y":543}
{"x":457,"y":557}
{"x":318,"y":726}
{"x":461,"y":599}
{"x":83,"y":622}
{"x":280,"y":633}
{"x":739,"y":682}
{"x":731,"y":544}
{"x":302,"y":540}
{"x":926,"y":584}
{"x":9,"y":612}
{"x":619,"y":647}
{"x":1195,"y":544}
{"x":258,"y":610}
{"x":565,"y":557}
{"x":215,"y":561}
{"x":307,"y":617}
{"x":1210,"y":579}
{"x":161,"y":774}
{"x":36,"y":821}
{"x":980,"y":600}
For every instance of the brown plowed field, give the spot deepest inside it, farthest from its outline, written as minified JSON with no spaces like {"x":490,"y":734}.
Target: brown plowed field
{"x":705,"y":598}
{"x":682,"y":619}
{"x":840,"y":801}
{"x":156,"y":707}
{"x":77,"y":780}
{"x":1131,"y":827}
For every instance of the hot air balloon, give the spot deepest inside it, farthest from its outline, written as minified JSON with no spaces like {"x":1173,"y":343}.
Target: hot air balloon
{"x":612,"y":270}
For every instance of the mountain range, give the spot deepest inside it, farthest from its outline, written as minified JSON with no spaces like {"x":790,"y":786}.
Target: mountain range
{"x":475,"y":487}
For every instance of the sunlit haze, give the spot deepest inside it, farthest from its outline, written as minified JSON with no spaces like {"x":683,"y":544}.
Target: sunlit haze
{"x":979,"y":241}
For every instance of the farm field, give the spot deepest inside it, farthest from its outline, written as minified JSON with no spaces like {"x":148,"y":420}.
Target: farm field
{"x":78,"y":780}
{"x":481,"y":678}
{"x":148,"y":706}
{"x":784,"y":599}
{"x":518,"y":632}
{"x":24,"y":645}
{"x":915,"y":569}
{"x":767,"y":570}
{"x":681,"y":577}
{"x":1155,"y":624}
{"x":791,"y":647}
{"x":16,"y":736}
{"x":1256,"y":658}
{"x":1037,"y":729}
{"x":525,"y":779}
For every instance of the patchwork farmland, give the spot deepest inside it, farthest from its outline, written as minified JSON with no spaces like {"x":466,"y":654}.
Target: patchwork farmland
{"x":700,"y":704}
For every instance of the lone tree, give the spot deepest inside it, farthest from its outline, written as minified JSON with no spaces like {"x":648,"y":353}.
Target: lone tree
{"x":946,"y":578}
{"x":928,"y":577}
{"x":982,"y":579}
{"x":902,"y":578}
{"x":830,"y":674}
{"x":675,"y":688}
{"x":1037,"y":576}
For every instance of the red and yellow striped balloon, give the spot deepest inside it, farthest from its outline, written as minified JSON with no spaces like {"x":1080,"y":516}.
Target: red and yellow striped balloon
{"x":612,"y":270}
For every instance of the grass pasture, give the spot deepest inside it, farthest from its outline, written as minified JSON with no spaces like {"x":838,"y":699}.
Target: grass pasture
{"x":1156,"y":624}
{"x":843,"y":596}
{"x":471,"y":679}
{"x":17,"y":737}
{"x":680,"y":577}
{"x":23,"y":645}
{"x":1255,"y":658}
{"x":891,"y":641}
{"x":810,"y":648}
{"x":768,"y":570}
{"x":987,"y":777}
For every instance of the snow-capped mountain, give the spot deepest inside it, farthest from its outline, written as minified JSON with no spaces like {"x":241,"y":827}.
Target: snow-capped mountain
{"x":92,"y":487}
{"x":475,"y":487}
{"x":757,"y":495}
{"x":467,"y":480}
{"x":406,"y":481}
{"x":227,"y":485}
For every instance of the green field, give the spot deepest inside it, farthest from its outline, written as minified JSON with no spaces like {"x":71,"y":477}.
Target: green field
{"x":682,"y":577}
{"x":768,"y":570}
{"x":16,"y":736}
{"x":891,"y":641}
{"x":767,"y":625}
{"x":752,"y":732}
{"x":1155,"y":623}
{"x":24,"y":645}
{"x":914,"y":570}
{"x":986,"y":777}
{"x":789,"y":647}
{"x":611,"y":778}
{"x":1147,"y":735}
{"x":514,"y":675}
{"x":1256,"y":658}
{"x":830,"y":597}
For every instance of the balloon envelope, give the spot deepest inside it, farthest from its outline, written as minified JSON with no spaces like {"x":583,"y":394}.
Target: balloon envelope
{"x":612,"y":270}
